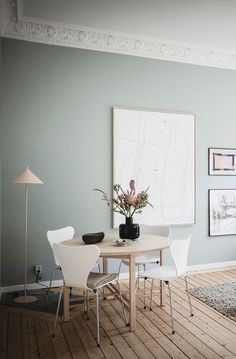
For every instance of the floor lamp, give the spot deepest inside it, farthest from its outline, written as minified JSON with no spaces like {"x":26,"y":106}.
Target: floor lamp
{"x":26,"y":177}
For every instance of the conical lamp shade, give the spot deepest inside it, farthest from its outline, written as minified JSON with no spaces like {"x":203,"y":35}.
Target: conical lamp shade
{"x":27,"y":177}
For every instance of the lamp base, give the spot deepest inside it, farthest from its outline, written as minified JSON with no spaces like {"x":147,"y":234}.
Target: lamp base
{"x":25,"y":299}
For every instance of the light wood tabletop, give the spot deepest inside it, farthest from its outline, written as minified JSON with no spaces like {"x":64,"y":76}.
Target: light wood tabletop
{"x":144,"y":244}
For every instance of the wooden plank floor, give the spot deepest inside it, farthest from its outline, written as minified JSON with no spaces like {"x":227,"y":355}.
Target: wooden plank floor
{"x":208,"y":334}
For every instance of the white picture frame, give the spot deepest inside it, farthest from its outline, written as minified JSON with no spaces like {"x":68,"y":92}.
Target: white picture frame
{"x":156,"y":149}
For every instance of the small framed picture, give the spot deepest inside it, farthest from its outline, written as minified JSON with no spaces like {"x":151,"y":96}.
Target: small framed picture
{"x":222,"y":212}
{"x":222,"y":161}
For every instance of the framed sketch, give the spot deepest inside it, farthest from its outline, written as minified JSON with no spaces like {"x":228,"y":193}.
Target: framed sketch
{"x":156,"y":149}
{"x":222,"y":161}
{"x":222,"y":212}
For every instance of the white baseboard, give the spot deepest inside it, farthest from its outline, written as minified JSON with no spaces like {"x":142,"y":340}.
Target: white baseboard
{"x":210,"y":266}
{"x":125,"y":275}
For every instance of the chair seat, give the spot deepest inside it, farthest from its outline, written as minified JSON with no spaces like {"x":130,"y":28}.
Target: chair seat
{"x":167,"y":273}
{"x":98,"y":280}
{"x":151,"y":257}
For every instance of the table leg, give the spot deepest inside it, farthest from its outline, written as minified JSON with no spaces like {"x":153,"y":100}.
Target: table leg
{"x":132,"y":294}
{"x":105,"y":271}
{"x":105,"y":265}
{"x":66,"y":304}
{"x":162,"y":284}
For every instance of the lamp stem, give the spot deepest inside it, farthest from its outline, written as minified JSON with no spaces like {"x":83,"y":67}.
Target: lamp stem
{"x":26,"y":233}
{"x":26,"y":298}
{"x":26,"y":177}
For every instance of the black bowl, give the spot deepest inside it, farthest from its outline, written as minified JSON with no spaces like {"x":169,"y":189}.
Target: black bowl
{"x":93,"y":238}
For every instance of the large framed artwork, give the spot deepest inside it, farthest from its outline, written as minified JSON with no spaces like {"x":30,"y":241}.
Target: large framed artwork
{"x":222,"y":212}
{"x":156,"y":149}
{"x":222,"y":161}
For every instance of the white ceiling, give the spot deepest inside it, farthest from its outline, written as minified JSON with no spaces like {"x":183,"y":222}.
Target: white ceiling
{"x":200,"y":22}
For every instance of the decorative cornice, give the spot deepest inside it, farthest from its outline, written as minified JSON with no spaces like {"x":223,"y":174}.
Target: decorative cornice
{"x":36,"y":30}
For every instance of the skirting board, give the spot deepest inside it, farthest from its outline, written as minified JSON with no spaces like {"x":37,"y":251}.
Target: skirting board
{"x":210,"y":267}
{"x":197,"y":268}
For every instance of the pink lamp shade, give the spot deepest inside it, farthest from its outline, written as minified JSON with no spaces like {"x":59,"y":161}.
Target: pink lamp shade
{"x":27,"y":177}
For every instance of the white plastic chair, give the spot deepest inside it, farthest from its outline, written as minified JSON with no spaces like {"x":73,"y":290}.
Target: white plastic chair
{"x":58,"y":236}
{"x":76,"y":264}
{"x":179,"y":251}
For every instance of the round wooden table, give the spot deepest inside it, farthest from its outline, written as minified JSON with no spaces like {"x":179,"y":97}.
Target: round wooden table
{"x":144,"y":244}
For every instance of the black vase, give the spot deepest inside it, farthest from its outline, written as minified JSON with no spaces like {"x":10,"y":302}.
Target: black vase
{"x":129,"y":230}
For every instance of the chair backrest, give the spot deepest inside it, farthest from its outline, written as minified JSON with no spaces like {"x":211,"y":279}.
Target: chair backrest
{"x":76,"y":263}
{"x":163,"y":231}
{"x":179,"y":251}
{"x":58,"y":236}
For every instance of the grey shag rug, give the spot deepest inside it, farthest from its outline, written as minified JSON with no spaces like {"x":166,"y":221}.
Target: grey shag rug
{"x":221,"y":297}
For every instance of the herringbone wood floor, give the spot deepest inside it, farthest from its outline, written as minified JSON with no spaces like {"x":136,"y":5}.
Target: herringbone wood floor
{"x":208,"y":334}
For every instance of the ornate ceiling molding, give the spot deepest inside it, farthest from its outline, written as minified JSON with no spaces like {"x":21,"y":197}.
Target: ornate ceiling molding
{"x":16,"y":26}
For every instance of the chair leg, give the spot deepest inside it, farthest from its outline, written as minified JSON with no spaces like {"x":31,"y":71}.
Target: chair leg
{"x":144,"y":292}
{"x":50,"y":285}
{"x":189,"y":300}
{"x":151,"y":294}
{"x":138,"y":278}
{"x":87,"y":305}
{"x":103,"y":288}
{"x":122,"y":303}
{"x":119,"y":268}
{"x":85,"y":302}
{"x":171,"y":309}
{"x":98,"y":323}
{"x":58,"y":307}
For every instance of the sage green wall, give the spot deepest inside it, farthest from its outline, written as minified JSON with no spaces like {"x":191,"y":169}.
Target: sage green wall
{"x":57,"y":117}
{"x":0,"y":163}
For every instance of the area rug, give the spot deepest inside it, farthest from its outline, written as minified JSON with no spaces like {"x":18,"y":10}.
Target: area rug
{"x":221,"y":297}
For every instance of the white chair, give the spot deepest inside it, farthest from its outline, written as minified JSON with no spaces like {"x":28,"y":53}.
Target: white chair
{"x":148,"y":258}
{"x":76,"y":264}
{"x":179,"y":251}
{"x":58,"y":236}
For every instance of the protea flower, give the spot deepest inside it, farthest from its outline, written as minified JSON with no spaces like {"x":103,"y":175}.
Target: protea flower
{"x":131,"y":200}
